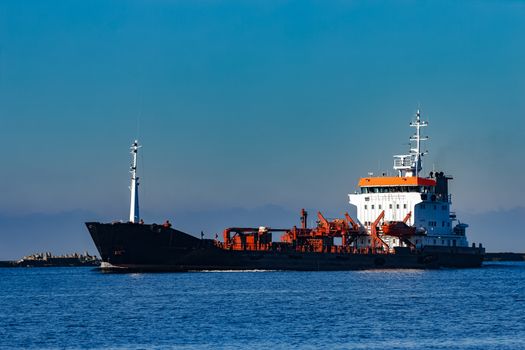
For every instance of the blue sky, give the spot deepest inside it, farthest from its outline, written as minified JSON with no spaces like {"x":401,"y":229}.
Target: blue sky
{"x":244,"y":106}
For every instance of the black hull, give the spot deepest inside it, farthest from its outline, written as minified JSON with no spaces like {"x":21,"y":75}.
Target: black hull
{"x":134,"y":247}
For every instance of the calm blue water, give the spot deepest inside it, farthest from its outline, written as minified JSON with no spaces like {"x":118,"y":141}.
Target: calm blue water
{"x":82,"y":308}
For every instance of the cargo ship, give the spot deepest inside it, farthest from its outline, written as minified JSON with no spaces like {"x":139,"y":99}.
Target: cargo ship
{"x":403,"y":221}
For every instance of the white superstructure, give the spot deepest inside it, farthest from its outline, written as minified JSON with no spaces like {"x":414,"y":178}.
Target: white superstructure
{"x":422,"y":202}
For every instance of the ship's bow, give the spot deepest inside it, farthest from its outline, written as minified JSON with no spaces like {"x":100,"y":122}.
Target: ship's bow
{"x":141,"y":246}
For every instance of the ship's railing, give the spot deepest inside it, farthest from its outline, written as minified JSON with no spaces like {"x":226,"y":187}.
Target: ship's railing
{"x":403,"y":161}
{"x":247,"y":246}
{"x":303,"y":248}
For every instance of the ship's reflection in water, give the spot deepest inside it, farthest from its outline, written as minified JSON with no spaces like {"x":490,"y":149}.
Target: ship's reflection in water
{"x":395,"y":309}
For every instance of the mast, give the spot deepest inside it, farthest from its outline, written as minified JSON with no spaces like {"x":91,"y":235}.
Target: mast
{"x":134,"y":188}
{"x":410,"y":164}
{"x":417,"y":138}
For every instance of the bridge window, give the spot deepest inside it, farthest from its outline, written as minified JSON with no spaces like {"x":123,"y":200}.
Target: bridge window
{"x":379,"y":206}
{"x":397,"y":206}
{"x":390,"y":206}
{"x":366,"y":207}
{"x":404,"y":206}
{"x":372,"y":206}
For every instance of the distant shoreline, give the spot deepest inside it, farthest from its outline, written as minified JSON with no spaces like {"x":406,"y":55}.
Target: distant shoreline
{"x":506,"y":256}
{"x":49,"y":260}
{"x":12,"y":263}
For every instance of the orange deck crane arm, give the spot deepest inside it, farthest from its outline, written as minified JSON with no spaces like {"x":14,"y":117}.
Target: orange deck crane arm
{"x":322,"y":219}
{"x":376,"y":240}
{"x":351,"y":222}
{"x":407,"y":217}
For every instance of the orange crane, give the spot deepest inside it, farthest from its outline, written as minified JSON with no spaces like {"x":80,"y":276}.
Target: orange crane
{"x":351,"y":222}
{"x":407,"y":217}
{"x":376,"y":240}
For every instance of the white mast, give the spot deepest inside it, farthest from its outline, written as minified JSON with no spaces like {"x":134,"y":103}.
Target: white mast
{"x":417,"y":138}
{"x":410,"y":164}
{"x":134,"y":204}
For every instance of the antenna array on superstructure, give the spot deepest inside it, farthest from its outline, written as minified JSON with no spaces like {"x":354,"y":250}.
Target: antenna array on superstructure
{"x":410,"y":164}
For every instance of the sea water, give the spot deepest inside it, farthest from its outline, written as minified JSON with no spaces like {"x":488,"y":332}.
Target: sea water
{"x":82,"y":308}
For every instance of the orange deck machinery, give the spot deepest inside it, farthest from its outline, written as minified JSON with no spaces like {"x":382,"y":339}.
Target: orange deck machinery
{"x":399,"y":228}
{"x":249,"y":238}
{"x":318,"y":239}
